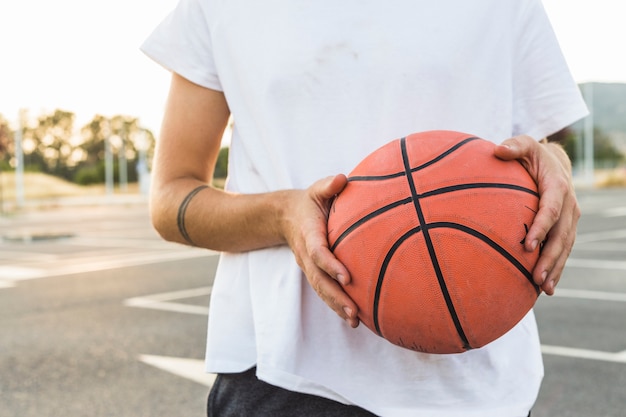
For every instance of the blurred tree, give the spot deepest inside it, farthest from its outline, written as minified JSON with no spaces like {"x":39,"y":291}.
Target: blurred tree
{"x":6,"y":143}
{"x":567,"y":138}
{"x":51,"y":145}
{"x":604,"y":150}
{"x":128,"y":141}
{"x":221,"y":167}
{"x":47,"y":145}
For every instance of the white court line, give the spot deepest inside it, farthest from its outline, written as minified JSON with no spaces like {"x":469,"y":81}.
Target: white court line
{"x":619,"y":357}
{"x":598,"y":236}
{"x":121,"y":243}
{"x":596,"y":264}
{"x":590,"y":295}
{"x":192,"y":369}
{"x":14,"y":255}
{"x":9,"y":273}
{"x":163,"y":301}
{"x":6,"y":284}
{"x":603,"y":247}
{"x":614,"y":212}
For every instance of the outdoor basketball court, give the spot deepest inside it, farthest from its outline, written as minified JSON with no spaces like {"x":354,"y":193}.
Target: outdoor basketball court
{"x":100,"y":317}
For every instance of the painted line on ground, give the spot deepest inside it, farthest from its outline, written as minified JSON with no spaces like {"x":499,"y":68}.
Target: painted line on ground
{"x":192,"y":369}
{"x":598,"y":236}
{"x":21,"y":256}
{"x":163,"y":301}
{"x":115,"y":242}
{"x":13,"y":273}
{"x":603,"y":247}
{"x":597,"y":355}
{"x":614,"y":212}
{"x":596,"y":264}
{"x":590,"y":295}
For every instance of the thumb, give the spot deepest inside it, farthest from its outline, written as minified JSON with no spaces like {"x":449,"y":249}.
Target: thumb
{"x":508,"y":150}
{"x":333,"y":185}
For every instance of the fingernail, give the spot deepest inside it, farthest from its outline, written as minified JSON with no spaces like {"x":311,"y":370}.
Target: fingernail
{"x":534,"y":244}
{"x":544,"y":275}
{"x":348,"y":311}
{"x":342,"y":279}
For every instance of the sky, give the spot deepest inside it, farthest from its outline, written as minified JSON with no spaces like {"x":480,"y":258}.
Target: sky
{"x":83,"y":55}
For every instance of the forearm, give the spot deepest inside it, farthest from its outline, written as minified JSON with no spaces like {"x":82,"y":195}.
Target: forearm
{"x":217,"y":219}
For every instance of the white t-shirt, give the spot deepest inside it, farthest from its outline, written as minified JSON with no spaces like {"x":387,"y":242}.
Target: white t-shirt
{"x":316,"y":85}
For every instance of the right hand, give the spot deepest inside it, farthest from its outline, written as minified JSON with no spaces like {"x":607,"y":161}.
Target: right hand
{"x":305,"y":230}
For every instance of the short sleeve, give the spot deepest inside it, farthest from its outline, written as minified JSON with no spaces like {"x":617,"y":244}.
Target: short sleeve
{"x":546,"y":97}
{"x":182,"y":43}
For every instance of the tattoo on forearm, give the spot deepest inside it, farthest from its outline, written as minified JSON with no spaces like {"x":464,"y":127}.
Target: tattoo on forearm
{"x":181,"y":213}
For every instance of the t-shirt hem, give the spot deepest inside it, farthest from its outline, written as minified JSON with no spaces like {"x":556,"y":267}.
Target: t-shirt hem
{"x":296,"y":383}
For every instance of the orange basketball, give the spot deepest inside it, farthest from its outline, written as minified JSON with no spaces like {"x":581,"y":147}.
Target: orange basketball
{"x":431,"y":228}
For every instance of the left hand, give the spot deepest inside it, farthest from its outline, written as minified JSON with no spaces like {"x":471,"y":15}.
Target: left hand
{"x":556,"y":221}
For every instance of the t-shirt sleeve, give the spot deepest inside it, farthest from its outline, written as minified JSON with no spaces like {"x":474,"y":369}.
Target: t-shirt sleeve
{"x":182,"y":44}
{"x":546,"y":97}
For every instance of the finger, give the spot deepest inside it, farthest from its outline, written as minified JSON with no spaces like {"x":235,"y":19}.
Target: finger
{"x":334,"y":296}
{"x":317,"y":239}
{"x":549,"y":213}
{"x":555,"y":254}
{"x":552,"y":271}
{"x":325,"y":260}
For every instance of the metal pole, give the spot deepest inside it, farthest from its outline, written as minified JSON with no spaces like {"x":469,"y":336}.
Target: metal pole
{"x":589,"y":156}
{"x":123,"y":165}
{"x":108,"y":165}
{"x":19,"y":161}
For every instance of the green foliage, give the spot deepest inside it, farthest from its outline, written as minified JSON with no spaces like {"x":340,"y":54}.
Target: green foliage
{"x":52,"y":145}
{"x":221,"y":167}
{"x":6,"y":143}
{"x":604,"y":150}
{"x":88,"y":175}
{"x":96,"y":173}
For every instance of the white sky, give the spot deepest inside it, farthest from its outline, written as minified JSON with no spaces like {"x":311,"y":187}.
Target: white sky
{"x":82,"y":55}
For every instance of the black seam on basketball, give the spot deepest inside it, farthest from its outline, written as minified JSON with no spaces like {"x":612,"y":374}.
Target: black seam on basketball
{"x":478,"y":185}
{"x":368,"y":217}
{"x":428,"y":241}
{"x":443,"y":155}
{"x":383,"y":271}
{"x":403,"y":173}
{"x":502,"y":251}
{"x":376,"y":177}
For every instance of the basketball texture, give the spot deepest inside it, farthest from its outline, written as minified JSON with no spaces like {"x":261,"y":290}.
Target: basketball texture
{"x":431,"y":228}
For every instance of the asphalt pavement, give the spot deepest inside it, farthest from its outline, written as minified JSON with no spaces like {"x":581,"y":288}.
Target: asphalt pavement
{"x":100,"y":317}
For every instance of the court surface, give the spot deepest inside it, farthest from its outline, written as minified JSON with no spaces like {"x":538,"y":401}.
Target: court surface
{"x":100,"y":317}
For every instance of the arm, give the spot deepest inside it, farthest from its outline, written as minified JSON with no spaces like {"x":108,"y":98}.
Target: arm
{"x":186,"y":153}
{"x":557,"y":218}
